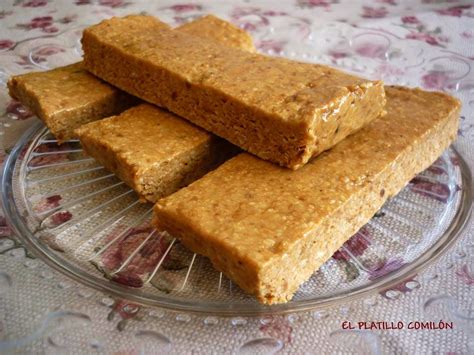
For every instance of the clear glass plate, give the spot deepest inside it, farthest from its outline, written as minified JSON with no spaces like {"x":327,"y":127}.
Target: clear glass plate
{"x":86,"y":223}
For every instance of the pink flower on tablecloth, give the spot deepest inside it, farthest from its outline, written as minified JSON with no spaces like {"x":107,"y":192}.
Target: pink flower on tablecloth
{"x":114,"y":3}
{"x":142,"y":263}
{"x":253,"y":18}
{"x":50,"y":158}
{"x":426,"y":37}
{"x":41,"y":22}
{"x":436,"y":80}
{"x":384,"y":267}
{"x":314,"y":3}
{"x":48,"y":203}
{"x":6,"y":44}
{"x":465,"y":275}
{"x":412,"y":20}
{"x":19,"y":111}
{"x":51,"y":29}
{"x":121,"y":249}
{"x":274,"y":13}
{"x":35,"y":3}
{"x":337,"y":53}
{"x":5,"y":230}
{"x":371,"y":50}
{"x":374,"y":12}
{"x":46,"y":206}
{"x":278,"y":327}
{"x":48,"y":51}
{"x":356,"y":245}
{"x":4,"y":14}
{"x":456,"y":11}
{"x":436,"y":168}
{"x":60,"y":218}
{"x":180,"y":8}
{"x":128,"y":279}
{"x":435,"y":190}
{"x":388,"y":2}
{"x":249,"y":18}
{"x":387,"y":69}
{"x":274,"y":46}
{"x":249,"y":26}
{"x":304,"y":28}
{"x":467,"y":34}
{"x":44,"y":23}
{"x":401,"y":287}
{"x":240,"y":14}
{"x":24,"y":61}
{"x":40,"y":55}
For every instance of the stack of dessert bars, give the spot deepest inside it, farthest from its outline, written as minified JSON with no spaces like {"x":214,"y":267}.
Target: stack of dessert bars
{"x":262,"y":164}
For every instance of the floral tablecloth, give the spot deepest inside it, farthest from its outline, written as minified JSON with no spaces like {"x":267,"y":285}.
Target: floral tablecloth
{"x":42,"y":311}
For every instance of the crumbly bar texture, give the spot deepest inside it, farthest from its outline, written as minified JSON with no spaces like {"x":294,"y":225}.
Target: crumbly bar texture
{"x":66,"y":98}
{"x":269,"y":229}
{"x":153,"y":151}
{"x":280,"y":110}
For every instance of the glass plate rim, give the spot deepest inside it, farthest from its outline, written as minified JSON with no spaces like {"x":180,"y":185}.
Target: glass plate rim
{"x":13,"y":216}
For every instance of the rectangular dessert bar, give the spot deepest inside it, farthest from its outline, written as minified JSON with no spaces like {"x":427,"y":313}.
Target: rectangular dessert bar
{"x":152,"y":150}
{"x":67,"y":97}
{"x":281,"y":110}
{"x":268,"y":229}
